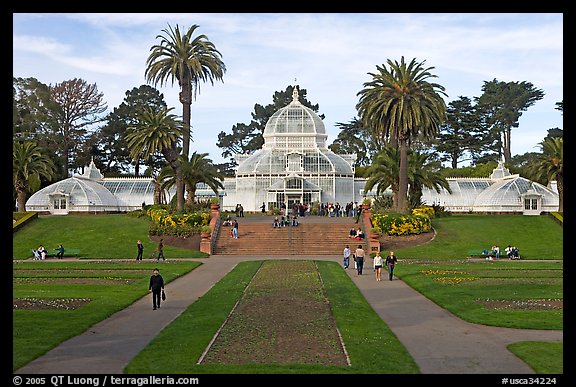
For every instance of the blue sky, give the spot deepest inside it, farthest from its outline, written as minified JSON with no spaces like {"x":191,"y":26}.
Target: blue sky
{"x":329,"y":55}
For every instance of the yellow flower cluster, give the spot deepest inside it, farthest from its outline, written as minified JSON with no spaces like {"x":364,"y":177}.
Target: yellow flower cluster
{"x":176,"y":224}
{"x":425,"y":211}
{"x":454,"y":280}
{"x":441,"y":272}
{"x":395,"y":224}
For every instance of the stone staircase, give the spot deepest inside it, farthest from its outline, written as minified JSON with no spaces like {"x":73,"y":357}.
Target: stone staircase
{"x":312,"y":237}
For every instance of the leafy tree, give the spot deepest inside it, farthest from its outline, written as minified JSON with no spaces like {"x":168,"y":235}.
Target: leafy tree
{"x":560,"y":106}
{"x":549,"y":165}
{"x":188,"y":60}
{"x":355,"y":138}
{"x":247,"y":138}
{"x":32,"y":110}
{"x":462,"y":137}
{"x":401,"y":105}
{"x":502,"y":104}
{"x":477,"y":170}
{"x":111,"y":144}
{"x":159,"y":131}
{"x":80,"y":105}
{"x":199,"y":169}
{"x":555,"y":132}
{"x":29,"y":165}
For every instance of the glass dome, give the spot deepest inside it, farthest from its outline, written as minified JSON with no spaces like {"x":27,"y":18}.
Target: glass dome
{"x":83,"y":194}
{"x":295,"y":142}
{"x":306,"y":161}
{"x":506,"y":194}
{"x":294,"y":126}
{"x":464,"y":193}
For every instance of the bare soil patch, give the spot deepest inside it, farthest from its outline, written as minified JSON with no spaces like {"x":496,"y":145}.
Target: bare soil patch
{"x":535,"y":304}
{"x":283,"y":317}
{"x":73,"y":281}
{"x":393,"y":242}
{"x":48,"y":303}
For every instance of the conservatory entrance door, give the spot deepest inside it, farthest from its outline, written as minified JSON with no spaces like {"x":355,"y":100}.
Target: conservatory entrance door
{"x":293,"y":199}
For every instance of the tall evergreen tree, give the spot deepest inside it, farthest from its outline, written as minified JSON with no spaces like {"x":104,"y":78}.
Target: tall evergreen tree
{"x":111,"y":147}
{"x":502,"y":104}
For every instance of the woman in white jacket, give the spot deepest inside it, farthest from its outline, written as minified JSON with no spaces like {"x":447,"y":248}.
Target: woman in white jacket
{"x":378,"y":265}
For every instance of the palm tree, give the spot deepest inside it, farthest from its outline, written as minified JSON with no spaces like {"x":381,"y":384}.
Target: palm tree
{"x":158,"y":131}
{"x":383,"y":172}
{"x":29,"y":165}
{"x":189,"y":60}
{"x":549,"y":165}
{"x":199,"y":169}
{"x":423,"y":172}
{"x":401,"y":105}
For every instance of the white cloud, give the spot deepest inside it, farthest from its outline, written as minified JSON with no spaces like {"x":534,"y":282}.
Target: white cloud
{"x":329,"y":55}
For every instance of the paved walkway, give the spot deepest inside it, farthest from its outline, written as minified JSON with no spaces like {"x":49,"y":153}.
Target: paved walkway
{"x":439,"y":342}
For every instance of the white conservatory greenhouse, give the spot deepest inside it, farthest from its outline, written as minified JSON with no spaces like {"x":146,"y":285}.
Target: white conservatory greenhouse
{"x":93,"y":193}
{"x":502,"y":192}
{"x":293,"y":166}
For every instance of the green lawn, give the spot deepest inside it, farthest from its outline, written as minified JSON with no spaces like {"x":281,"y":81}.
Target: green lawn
{"x":457,"y":286}
{"x":537,"y":237}
{"x":370,"y":344}
{"x":466,"y":289}
{"x":96,"y":236}
{"x":106,"y":286}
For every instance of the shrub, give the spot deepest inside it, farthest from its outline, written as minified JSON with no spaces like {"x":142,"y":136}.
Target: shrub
{"x":399,"y":224}
{"x":179,"y":224}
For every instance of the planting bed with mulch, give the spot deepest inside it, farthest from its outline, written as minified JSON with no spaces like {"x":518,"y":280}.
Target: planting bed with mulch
{"x":49,"y":303}
{"x":283,"y":317}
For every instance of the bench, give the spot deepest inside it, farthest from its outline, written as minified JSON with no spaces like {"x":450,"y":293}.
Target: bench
{"x":68,"y":253}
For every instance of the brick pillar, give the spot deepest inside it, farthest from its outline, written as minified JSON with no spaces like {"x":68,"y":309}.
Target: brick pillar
{"x":206,"y":243}
{"x":373,"y":239}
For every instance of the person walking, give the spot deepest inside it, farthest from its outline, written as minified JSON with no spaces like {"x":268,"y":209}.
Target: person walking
{"x":60,"y":251}
{"x":359,"y":253}
{"x":156,"y":285}
{"x":390,"y":262}
{"x":263,"y":207}
{"x":140,"y":248}
{"x":378,"y":265}
{"x":160,"y":250}
{"x":235,"y":229}
{"x":358,"y":213}
{"x":347,"y":253}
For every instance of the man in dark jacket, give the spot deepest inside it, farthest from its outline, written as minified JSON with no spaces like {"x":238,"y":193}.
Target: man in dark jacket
{"x":156,"y":286}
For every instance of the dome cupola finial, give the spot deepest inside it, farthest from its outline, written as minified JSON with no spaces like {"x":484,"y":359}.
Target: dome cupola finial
{"x":295,"y":95}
